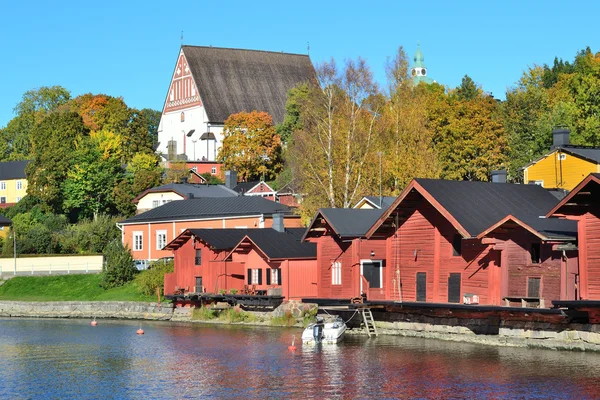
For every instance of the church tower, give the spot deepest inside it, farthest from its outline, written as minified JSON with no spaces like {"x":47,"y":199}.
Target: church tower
{"x":419,"y":71}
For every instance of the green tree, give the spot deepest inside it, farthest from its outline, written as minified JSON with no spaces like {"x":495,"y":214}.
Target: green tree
{"x":467,"y":90}
{"x":292,"y":121}
{"x":118,"y":267}
{"x":154,"y":277}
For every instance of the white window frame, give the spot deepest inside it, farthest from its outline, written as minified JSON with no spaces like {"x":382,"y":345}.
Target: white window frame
{"x":213,"y":170}
{"x":138,"y":245}
{"x":254,"y":278}
{"x":3,"y":185}
{"x":539,"y":183}
{"x":161,"y":239}
{"x":561,"y":156}
{"x":275,"y":276}
{"x":155,"y":203}
{"x":18,"y":199}
{"x":336,"y":273}
{"x":380,"y":272}
{"x":19,"y":185}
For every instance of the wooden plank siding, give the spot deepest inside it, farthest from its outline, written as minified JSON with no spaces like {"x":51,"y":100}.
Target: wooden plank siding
{"x":557,"y":173}
{"x":592,"y":252}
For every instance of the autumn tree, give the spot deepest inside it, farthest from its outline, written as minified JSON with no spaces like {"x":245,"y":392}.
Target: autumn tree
{"x":334,"y":152}
{"x":251,"y":146}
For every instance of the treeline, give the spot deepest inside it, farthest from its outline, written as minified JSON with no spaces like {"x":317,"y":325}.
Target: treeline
{"x":90,"y":156}
{"x":349,"y":136}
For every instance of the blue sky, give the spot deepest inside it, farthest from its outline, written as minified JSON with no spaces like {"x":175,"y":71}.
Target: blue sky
{"x":129,"y":48}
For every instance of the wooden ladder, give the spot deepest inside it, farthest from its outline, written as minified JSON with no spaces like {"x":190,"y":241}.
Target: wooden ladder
{"x":369,"y":322}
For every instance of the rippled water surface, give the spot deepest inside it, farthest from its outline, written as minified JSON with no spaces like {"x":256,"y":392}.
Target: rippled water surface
{"x":71,"y":359}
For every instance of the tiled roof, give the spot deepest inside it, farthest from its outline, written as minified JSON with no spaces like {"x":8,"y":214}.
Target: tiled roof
{"x":13,"y":170}
{"x":207,"y":207}
{"x":233,"y":80}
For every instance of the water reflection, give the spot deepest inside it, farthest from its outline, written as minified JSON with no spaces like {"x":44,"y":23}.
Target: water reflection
{"x":70,"y":359}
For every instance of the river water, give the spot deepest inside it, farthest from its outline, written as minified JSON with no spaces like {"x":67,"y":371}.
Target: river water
{"x":62,"y":359}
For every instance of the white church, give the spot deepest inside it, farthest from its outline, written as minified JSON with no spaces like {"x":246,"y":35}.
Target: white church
{"x":209,"y":84}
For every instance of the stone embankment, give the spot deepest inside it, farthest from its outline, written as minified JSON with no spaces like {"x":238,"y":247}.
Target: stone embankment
{"x":82,"y":309}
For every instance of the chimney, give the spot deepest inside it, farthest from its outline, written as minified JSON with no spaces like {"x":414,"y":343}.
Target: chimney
{"x":230,"y":179}
{"x":190,"y":196}
{"x":560,"y":137}
{"x":278,"y":222}
{"x":184,"y":180}
{"x":499,"y":176}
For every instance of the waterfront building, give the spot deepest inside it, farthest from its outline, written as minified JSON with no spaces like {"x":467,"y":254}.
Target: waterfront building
{"x":582,"y":205}
{"x":565,"y":165}
{"x":449,"y":241}
{"x":13,"y":182}
{"x":210,"y":83}
{"x":147,"y":234}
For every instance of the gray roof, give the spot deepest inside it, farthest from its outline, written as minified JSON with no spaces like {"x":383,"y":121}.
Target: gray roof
{"x":283,"y":245}
{"x":589,"y":153}
{"x":207,"y":207}
{"x":386,"y":201}
{"x":234,"y":80}
{"x":4,"y":221}
{"x":188,"y":190}
{"x":350,"y":222}
{"x":13,"y":170}
{"x":479,"y":205}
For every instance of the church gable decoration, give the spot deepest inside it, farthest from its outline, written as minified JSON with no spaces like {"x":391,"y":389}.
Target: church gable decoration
{"x":183,"y":92}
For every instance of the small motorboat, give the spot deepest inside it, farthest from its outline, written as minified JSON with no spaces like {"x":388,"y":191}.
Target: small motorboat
{"x":324,"y":332}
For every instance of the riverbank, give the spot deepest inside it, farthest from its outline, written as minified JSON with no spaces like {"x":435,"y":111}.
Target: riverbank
{"x":575,"y":337}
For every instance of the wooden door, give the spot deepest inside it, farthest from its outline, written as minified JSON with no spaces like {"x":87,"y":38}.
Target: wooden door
{"x":494,"y":278}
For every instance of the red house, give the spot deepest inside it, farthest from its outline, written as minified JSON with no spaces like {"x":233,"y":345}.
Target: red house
{"x":287,"y":264}
{"x":452,"y":241}
{"x":582,"y":205}
{"x":348,"y":265}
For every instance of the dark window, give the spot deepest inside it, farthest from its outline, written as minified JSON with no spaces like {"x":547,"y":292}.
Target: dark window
{"x":249,"y":276}
{"x":457,"y":245}
{"x":533,"y":287}
{"x":3,"y":200}
{"x":535,"y":253}
{"x":372,"y":273}
{"x":198,"y":258}
{"x":454,"y":288}
{"x":199,"y":288}
{"x":421,"y":286}
{"x":260,"y":276}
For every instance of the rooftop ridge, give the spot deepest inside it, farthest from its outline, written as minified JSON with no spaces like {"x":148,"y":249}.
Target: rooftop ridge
{"x":250,"y":50}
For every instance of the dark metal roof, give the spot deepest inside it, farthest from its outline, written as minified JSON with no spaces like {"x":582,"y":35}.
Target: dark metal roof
{"x":13,"y":170}
{"x":207,"y":207}
{"x":4,"y":221}
{"x":589,"y":153}
{"x":479,"y":205}
{"x":219,"y":239}
{"x":282,"y":245}
{"x":350,"y":222}
{"x":187,"y":189}
{"x":233,"y":80}
{"x":243,"y":187}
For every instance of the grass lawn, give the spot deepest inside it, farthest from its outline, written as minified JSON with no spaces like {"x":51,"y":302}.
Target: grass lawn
{"x":67,"y":288}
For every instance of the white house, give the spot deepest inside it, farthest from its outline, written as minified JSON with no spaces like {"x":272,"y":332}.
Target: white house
{"x":209,"y":84}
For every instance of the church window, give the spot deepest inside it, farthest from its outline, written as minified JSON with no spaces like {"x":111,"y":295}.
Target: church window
{"x":182,"y":116}
{"x":172,"y":95}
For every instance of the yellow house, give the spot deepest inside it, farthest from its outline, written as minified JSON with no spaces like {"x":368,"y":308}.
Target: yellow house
{"x":564,"y":166}
{"x":13,"y":182}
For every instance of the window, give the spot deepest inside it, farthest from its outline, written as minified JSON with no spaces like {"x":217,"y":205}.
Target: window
{"x":539,"y":183}
{"x":456,"y":245}
{"x":182,"y":116}
{"x":166,"y":201}
{"x":213,"y":170}
{"x":2,"y":185}
{"x":161,"y":239}
{"x":198,"y":258}
{"x":454,"y":288}
{"x":533,"y":286}
{"x":336,"y":273}
{"x":138,"y":241}
{"x":561,"y":156}
{"x":274,"y":276}
{"x":18,"y":199}
{"x":19,"y":185}
{"x":373,"y":273}
{"x":2,"y":200}
{"x":254,"y":276}
{"x":195,"y":169}
{"x":534,"y":251}
{"x":421,"y":286}
{"x":155,"y":203}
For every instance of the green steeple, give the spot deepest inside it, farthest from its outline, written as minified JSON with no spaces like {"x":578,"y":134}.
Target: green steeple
{"x":419,"y":71}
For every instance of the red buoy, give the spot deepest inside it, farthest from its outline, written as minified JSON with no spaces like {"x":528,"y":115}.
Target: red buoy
{"x":140,"y":331}
{"x":292,"y":347}
{"x":93,"y":323}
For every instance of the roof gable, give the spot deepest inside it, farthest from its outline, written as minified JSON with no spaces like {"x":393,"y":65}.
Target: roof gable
{"x":234,"y":80}
{"x":346,"y":222}
{"x":473,"y":207}
{"x":589,"y":188}
{"x":276,"y":245}
{"x":13,"y":170}
{"x":187,"y":191}
{"x":588,"y":153}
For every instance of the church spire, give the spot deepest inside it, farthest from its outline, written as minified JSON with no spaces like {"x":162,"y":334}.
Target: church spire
{"x":419,"y":71}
